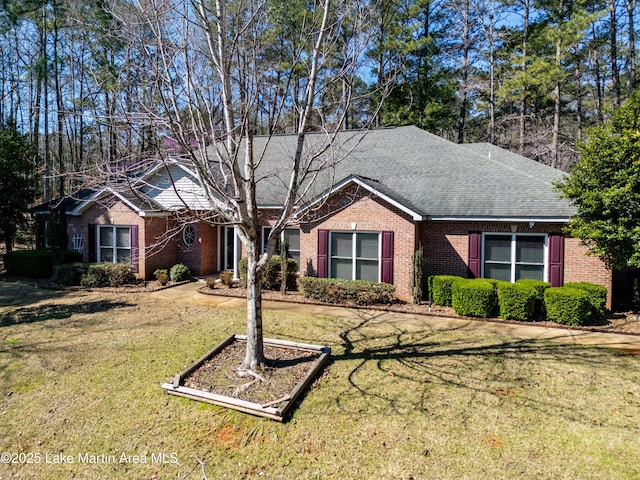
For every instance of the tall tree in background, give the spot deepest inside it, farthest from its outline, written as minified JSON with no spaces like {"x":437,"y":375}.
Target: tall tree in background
{"x":17,"y":182}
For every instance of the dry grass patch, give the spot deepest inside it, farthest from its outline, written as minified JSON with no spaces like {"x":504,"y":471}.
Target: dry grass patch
{"x":80,"y":377}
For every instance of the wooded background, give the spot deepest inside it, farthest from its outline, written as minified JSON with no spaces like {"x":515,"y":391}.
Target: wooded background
{"x":527,"y":76}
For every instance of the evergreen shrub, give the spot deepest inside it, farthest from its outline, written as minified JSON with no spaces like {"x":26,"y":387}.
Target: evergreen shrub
{"x":516,"y":301}
{"x":358,"y":292}
{"x":473,"y":297}
{"x":597,"y":295}
{"x":180,"y":273}
{"x":440,"y":289}
{"x":567,"y":305}
{"x":271,"y":273}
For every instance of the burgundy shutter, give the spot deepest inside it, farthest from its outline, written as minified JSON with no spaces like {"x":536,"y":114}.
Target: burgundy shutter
{"x":475,"y":254}
{"x":323,"y":254}
{"x":92,"y":243}
{"x":387,"y":257}
{"x":556,"y":260}
{"x":133,"y":231}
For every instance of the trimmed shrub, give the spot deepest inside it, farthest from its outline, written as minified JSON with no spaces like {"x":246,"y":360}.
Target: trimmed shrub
{"x":440,"y":289}
{"x":226,"y":278}
{"x":473,"y":297}
{"x":271,"y":273}
{"x":180,"y":273}
{"x":161,"y":271}
{"x":211,"y":283}
{"x":100,"y":275}
{"x":37,"y":263}
{"x":162,"y":279}
{"x":69,"y":274}
{"x":516,"y":301}
{"x":568,"y":306}
{"x":597,"y":295}
{"x":358,"y":292}
{"x":539,"y":286}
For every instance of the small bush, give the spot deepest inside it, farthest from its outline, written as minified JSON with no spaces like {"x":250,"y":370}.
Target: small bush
{"x":271,"y":273}
{"x":568,"y":306}
{"x":517,"y":301}
{"x":210,"y":282}
{"x":180,"y":273}
{"x":161,"y":271}
{"x":37,"y":263}
{"x":162,"y":279}
{"x":539,"y":286}
{"x":358,"y":292}
{"x":440,"y":289}
{"x":473,"y":297}
{"x":597,"y":295}
{"x":100,"y":275}
{"x":69,"y":274}
{"x":226,"y":278}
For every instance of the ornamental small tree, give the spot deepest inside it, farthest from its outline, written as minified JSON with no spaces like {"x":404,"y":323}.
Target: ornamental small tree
{"x":604,"y":186}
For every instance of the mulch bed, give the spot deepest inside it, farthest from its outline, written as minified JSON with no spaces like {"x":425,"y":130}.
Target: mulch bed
{"x":286,"y":368}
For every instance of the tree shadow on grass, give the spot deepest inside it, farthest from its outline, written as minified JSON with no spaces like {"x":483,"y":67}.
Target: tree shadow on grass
{"x":406,"y":368}
{"x":15,"y":294}
{"x":56,"y":311}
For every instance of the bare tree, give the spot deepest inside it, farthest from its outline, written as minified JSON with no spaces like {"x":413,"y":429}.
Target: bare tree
{"x":207,"y":61}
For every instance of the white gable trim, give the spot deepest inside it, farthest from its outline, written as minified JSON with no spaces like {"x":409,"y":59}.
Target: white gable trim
{"x":354,"y":180}
{"x":80,"y":209}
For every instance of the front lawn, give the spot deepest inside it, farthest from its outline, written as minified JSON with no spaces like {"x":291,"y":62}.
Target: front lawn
{"x":80,"y":396}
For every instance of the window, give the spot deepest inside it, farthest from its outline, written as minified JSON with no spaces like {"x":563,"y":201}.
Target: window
{"x":355,"y":256}
{"x":114,"y":244}
{"x":292,"y":235}
{"x":514,"y":257}
{"x":188,"y":235}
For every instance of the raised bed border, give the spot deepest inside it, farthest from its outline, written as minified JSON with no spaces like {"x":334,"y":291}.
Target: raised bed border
{"x":276,"y":409}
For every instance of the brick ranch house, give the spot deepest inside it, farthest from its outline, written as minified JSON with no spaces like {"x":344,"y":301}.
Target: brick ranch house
{"x":477,"y":210}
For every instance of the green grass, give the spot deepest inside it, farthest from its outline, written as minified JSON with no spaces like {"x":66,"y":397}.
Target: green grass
{"x":80,"y":373}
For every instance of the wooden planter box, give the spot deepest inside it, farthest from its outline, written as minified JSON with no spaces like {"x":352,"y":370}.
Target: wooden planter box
{"x":275,"y":409}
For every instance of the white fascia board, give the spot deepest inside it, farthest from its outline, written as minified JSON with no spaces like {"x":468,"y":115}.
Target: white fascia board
{"x":82,"y":207}
{"x":355,"y":180}
{"x":436,"y":218}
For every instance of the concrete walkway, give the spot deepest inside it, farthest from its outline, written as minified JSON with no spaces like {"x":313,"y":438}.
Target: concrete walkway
{"x":189,"y":293}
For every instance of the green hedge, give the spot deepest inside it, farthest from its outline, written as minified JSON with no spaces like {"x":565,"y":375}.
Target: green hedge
{"x":69,"y":274}
{"x":358,"y":292}
{"x":107,"y":275}
{"x":440,"y":289}
{"x":473,"y":297}
{"x":540,"y":287}
{"x":567,"y":305}
{"x":37,"y":263}
{"x":271,"y":273}
{"x":517,"y":301}
{"x":597,"y":295}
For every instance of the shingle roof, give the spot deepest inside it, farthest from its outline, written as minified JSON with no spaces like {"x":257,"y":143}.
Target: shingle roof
{"x":427,"y":174}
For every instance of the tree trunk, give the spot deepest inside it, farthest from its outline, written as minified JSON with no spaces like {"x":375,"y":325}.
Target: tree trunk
{"x":523,"y":97}
{"x":464,"y":79}
{"x":631,"y":5}
{"x":254,"y":356}
{"x":613,"y":39}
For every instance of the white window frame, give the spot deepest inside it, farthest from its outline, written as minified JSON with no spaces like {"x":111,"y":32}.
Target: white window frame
{"x":545,"y":246}
{"x":265,"y":235}
{"x":354,"y":258}
{"x":115,"y":246}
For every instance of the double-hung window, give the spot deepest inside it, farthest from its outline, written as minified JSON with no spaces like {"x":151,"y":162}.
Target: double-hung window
{"x":293,"y":246}
{"x":512,"y":257}
{"x":114,"y":244}
{"x":355,"y":256}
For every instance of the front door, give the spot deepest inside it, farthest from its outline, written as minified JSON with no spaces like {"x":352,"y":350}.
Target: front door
{"x":230,"y":251}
